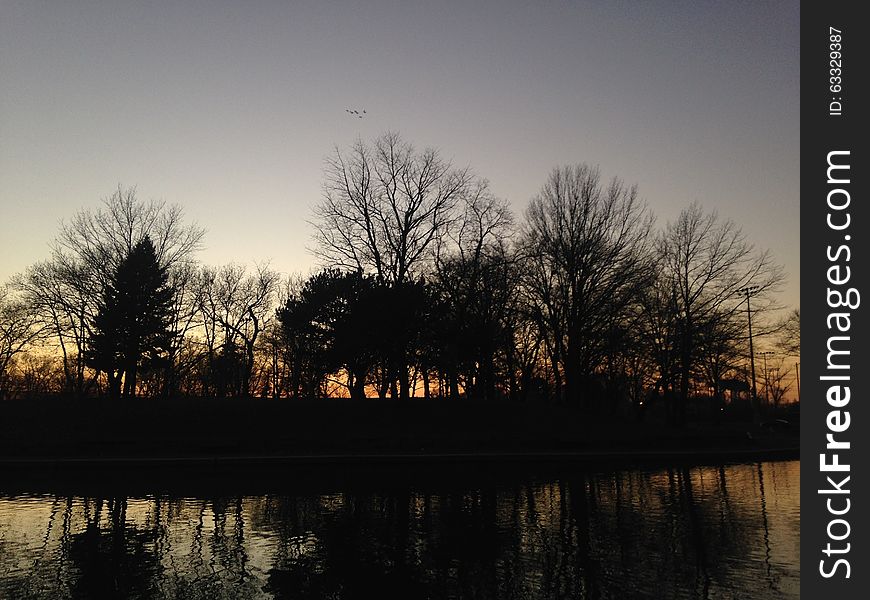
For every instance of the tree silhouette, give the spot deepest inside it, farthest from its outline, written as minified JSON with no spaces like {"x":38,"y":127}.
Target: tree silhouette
{"x":66,"y":290}
{"x":237,"y":304}
{"x":54,"y":293}
{"x":386,"y":207}
{"x":472,"y":321}
{"x":337,"y":322}
{"x":790,"y":333}
{"x":706,"y":261}
{"x":131,"y":330}
{"x":471,"y":315}
{"x":387,"y":211}
{"x":587,"y":259}
{"x":19,"y":327}
{"x":309,"y":319}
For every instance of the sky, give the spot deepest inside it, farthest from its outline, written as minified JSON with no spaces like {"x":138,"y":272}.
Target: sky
{"x":230,"y":108}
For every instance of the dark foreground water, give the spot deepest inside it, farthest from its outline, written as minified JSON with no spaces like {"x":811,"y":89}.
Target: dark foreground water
{"x":727,"y":531}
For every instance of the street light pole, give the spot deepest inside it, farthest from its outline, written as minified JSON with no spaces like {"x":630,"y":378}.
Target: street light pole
{"x":765,"y":354}
{"x":776,"y":387}
{"x":749,"y":291}
{"x":797,"y":369}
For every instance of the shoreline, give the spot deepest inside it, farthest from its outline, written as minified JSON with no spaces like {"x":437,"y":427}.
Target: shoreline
{"x":585,"y":457}
{"x":233,"y":435}
{"x":235,"y":475}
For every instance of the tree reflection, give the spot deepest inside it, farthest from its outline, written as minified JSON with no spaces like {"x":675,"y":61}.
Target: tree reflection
{"x":115,"y":559}
{"x":682,"y":532}
{"x":362,"y":548}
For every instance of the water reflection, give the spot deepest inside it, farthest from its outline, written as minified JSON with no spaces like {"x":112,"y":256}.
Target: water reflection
{"x":701,"y":532}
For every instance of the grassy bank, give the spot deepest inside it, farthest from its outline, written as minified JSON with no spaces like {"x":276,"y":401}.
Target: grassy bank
{"x":201,"y":429}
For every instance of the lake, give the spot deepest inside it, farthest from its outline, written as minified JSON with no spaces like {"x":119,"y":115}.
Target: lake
{"x":729,"y":531}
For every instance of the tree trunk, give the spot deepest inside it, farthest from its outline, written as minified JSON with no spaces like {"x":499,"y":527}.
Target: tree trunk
{"x":685,"y":376}
{"x":357,"y":383}
{"x":114,"y":384}
{"x":130,"y":379}
{"x":404,"y":384}
{"x":572,"y":378}
{"x":425,"y":374}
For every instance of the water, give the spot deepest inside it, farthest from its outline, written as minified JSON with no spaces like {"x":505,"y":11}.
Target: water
{"x":728,"y":531}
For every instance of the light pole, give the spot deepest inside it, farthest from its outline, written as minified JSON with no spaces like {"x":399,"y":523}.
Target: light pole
{"x":765,"y":354}
{"x":797,"y":370}
{"x":777,"y":389}
{"x":749,"y":291}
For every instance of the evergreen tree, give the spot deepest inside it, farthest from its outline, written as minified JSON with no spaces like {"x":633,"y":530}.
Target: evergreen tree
{"x":131,"y":330}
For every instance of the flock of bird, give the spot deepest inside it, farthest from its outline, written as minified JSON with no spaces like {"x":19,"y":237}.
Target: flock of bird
{"x":355,"y":113}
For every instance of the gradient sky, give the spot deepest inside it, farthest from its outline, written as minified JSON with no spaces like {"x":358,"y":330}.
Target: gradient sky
{"x":229,"y":108}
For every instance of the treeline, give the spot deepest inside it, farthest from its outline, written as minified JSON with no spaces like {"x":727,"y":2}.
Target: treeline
{"x":429,"y":287}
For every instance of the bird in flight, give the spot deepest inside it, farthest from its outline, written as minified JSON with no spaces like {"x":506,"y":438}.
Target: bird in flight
{"x":355,"y":113}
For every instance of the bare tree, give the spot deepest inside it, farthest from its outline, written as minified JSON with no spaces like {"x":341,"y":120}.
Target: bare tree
{"x":777,"y":382}
{"x":485,"y":222}
{"x":184,"y":280}
{"x":19,"y":327}
{"x":36,"y":374}
{"x":721,"y":346}
{"x":658,"y":328}
{"x":587,"y":248}
{"x":239,"y":304}
{"x":386,"y":207}
{"x":65,"y":290}
{"x":53,"y":292}
{"x":545,"y":307}
{"x":707,"y":261}
{"x":475,"y":299}
{"x":790,"y":333}
{"x":101,"y":239}
{"x":387,"y":211}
